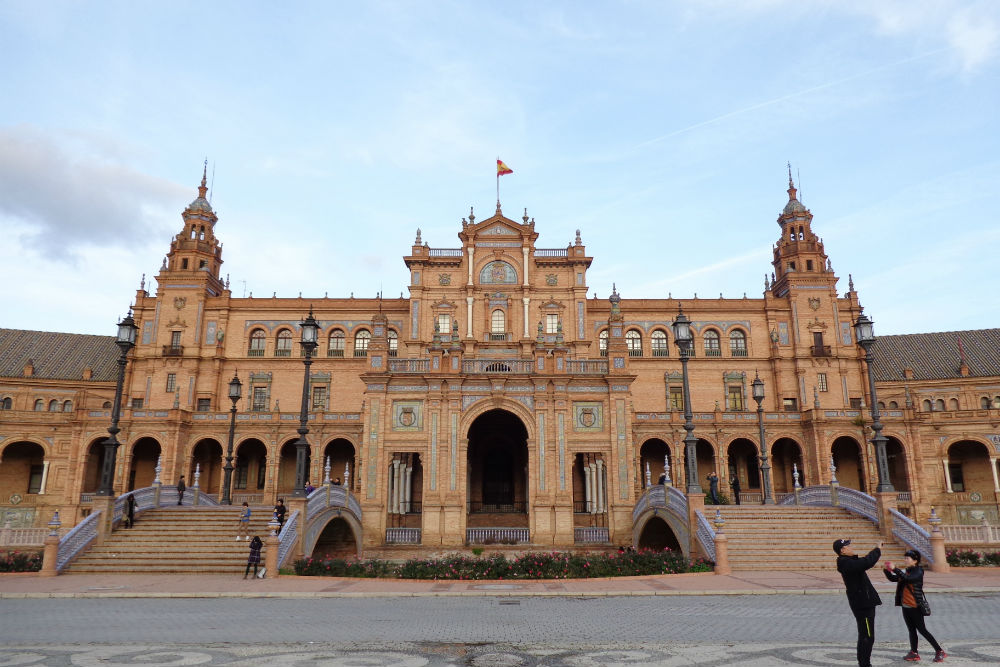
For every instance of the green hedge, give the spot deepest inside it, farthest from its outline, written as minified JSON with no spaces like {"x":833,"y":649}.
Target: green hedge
{"x":20,"y":561}
{"x":554,"y":565}
{"x":970,"y":558}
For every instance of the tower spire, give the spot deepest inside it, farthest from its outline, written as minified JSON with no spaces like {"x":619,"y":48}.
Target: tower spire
{"x":203,"y":188}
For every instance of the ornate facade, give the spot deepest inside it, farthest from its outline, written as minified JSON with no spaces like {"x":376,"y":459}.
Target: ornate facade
{"x":497,"y":396}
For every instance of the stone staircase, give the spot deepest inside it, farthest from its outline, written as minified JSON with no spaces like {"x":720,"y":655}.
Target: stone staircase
{"x":190,"y":540}
{"x":795,"y":538}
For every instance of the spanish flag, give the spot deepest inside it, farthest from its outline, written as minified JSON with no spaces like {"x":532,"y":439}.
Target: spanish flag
{"x":503,"y":169}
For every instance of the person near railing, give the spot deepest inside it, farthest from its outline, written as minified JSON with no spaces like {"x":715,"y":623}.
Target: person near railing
{"x":130,"y":511}
{"x":244,"y":526}
{"x":735,"y":483}
{"x":713,"y":487}
{"x":254,"y":557}
{"x":861,"y":595}
{"x":910,"y":596}
{"x":279,"y":512}
{"x":181,"y":486}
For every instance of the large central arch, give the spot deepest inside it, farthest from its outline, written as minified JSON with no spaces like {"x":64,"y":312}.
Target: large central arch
{"x":497,"y":465}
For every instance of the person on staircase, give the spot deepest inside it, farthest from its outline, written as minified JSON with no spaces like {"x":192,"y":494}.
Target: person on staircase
{"x":244,"y":527}
{"x":181,"y":487}
{"x":861,"y":595}
{"x":130,"y":511}
{"x":735,"y":483}
{"x":910,"y":596}
{"x":254,"y":558}
{"x":279,"y":513}
{"x":713,"y":487}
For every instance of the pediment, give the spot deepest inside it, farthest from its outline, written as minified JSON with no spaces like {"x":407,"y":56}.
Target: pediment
{"x":498,"y":229}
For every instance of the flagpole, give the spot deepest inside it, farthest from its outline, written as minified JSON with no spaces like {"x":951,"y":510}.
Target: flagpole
{"x":498,"y":183}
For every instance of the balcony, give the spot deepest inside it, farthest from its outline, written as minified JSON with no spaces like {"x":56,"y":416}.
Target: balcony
{"x":713,"y":352}
{"x":335,"y":352}
{"x":661,"y":352}
{"x":409,"y":365}
{"x":252,"y":352}
{"x":499,"y":336}
{"x":282,"y":353}
{"x":738,"y":351}
{"x":173,"y":350}
{"x":445,"y":252}
{"x":510,"y":507}
{"x":498,"y":366}
{"x":821,"y":351}
{"x":361,"y":353}
{"x":634,"y":353}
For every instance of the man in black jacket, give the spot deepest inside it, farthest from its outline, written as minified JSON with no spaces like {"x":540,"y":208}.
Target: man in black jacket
{"x":861,"y":595}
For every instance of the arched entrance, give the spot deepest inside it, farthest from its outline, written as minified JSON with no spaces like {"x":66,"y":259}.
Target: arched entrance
{"x":706,"y":465}
{"x":651,"y":455}
{"x":972,"y":478}
{"x":250,"y":470}
{"x":142,"y":469}
{"x":786,"y":456}
{"x":93,"y":466}
{"x":656,"y":535}
{"x":336,"y":541}
{"x":896,"y":458}
{"x":497,"y":471}
{"x":744,"y":465}
{"x":846,"y":454}
{"x":207,"y":455}
{"x":341,"y":454}
{"x":22,"y":470}
{"x":286,"y":468}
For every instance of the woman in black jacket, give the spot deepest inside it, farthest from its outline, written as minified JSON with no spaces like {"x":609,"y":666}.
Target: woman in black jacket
{"x":910,"y":596}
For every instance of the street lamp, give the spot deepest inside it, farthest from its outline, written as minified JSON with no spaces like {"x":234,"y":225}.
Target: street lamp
{"x":310,"y":333}
{"x":757,"y":386}
{"x":235,"y":391}
{"x":864,"y":332}
{"x":684,"y":340}
{"x":125,"y":342}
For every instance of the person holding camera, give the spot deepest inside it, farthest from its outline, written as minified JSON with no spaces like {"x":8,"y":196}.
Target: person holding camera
{"x":861,"y":595}
{"x":910,"y":596}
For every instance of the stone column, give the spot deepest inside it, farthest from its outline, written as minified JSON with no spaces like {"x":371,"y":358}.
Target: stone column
{"x":940,"y":558}
{"x":50,"y":555}
{"x":468,"y":316}
{"x":408,"y":489}
{"x":886,"y":502}
{"x":524,"y":267}
{"x":721,"y":546}
{"x":947,"y":476}
{"x":394,"y":487}
{"x":472,"y":255}
{"x":993,"y":469}
{"x":588,"y":490}
{"x":45,"y":476}
{"x":271,"y":555}
{"x":601,"y":491}
{"x":526,"y":300}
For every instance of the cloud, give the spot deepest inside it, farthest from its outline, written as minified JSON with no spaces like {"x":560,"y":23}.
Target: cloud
{"x":60,"y":193}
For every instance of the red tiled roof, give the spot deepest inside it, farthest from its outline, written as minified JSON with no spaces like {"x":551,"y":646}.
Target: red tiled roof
{"x":57,"y":356}
{"x":935,"y":356}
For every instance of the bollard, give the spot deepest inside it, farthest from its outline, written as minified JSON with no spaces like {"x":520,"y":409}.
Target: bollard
{"x":51,"y":552}
{"x":940,"y":557}
{"x":721,"y":546}
{"x":271,"y":557}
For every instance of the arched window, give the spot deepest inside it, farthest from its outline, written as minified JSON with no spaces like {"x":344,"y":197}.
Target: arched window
{"x":881,"y":405}
{"x":939,"y":405}
{"x":106,"y":405}
{"x":712,"y":348}
{"x":6,"y":403}
{"x":393,"y":343}
{"x":953,"y":404}
{"x":602,"y":342}
{"x":67,"y":406}
{"x":927,"y":406}
{"x":54,"y":406}
{"x":633,"y":340}
{"x":284,"y":346}
{"x":39,"y":405}
{"x":658,"y":341}
{"x":893,"y":405}
{"x":498,"y":322}
{"x":257,"y":343}
{"x":985,"y":403}
{"x":737,"y":343}
{"x":336,"y":348}
{"x":361,"y":340}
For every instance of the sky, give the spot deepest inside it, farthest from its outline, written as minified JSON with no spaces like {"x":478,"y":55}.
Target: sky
{"x":661,"y":130}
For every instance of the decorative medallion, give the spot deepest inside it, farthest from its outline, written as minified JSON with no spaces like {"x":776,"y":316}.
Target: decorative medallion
{"x":407,"y":415}
{"x":15,"y":499}
{"x":444,"y":279}
{"x":551,"y":279}
{"x":588,"y":416}
{"x":180,"y":302}
{"x":814,"y":302}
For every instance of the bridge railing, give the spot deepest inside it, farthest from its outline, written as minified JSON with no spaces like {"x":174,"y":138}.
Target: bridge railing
{"x":331,"y":495}
{"x":909,"y":532}
{"x":706,"y":536}
{"x":287,"y":538}
{"x":77,"y":539}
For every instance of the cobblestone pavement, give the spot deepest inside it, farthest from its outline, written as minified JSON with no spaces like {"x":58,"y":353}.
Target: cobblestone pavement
{"x":684,"y":630}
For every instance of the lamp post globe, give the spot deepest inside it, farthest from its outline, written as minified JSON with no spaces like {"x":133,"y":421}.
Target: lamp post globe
{"x":864,"y":333}
{"x":684,"y":338}
{"x":310,"y":334}
{"x":235,"y":391}
{"x":757,"y":391}
{"x":125,"y":340}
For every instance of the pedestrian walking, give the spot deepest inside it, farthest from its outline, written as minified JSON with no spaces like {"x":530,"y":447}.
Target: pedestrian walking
{"x":181,"y":486}
{"x":861,"y":595}
{"x":735,"y":483}
{"x":713,"y":487}
{"x":309,"y":488}
{"x":279,"y":513}
{"x":254,"y":558}
{"x":130,"y":511}
{"x":244,"y":527}
{"x":910,"y":596}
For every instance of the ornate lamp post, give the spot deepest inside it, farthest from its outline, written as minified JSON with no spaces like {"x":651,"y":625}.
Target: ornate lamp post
{"x":684,"y":340}
{"x":310,"y":333}
{"x":235,"y":391}
{"x":757,"y":386}
{"x":125,"y":342}
{"x":864,"y":332}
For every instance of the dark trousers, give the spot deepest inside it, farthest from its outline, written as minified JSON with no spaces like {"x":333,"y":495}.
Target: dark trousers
{"x":248,"y":570}
{"x":866,"y":635}
{"x":914,"y":620}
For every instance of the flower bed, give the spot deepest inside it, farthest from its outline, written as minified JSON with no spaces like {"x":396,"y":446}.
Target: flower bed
{"x":554,"y":565}
{"x":970,"y":558}
{"x":21,"y":561}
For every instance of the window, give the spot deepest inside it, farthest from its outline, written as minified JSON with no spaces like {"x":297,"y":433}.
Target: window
{"x":676,"y":398}
{"x":821,"y":382}
{"x":658,"y":341}
{"x":498,"y":322}
{"x":818,"y":348}
{"x":54,"y":406}
{"x":257,"y":343}
{"x":336,"y":348}
{"x":443,"y":324}
{"x":984,"y":403}
{"x":790,"y":404}
{"x":927,"y":406}
{"x":893,"y":405}
{"x":171,"y":382}
{"x":939,"y":405}
{"x":67,"y":406}
{"x":393,"y":343}
{"x":184,"y":263}
{"x":136,"y":404}
{"x":106,"y":405}
{"x":319,"y":398}
{"x":284,"y":346}
{"x":35,"y":479}
{"x":39,"y":405}
{"x":712,"y":348}
{"x":633,"y":340}
{"x":602,"y":342}
{"x":737,"y":343}
{"x":551,"y":324}
{"x":175,"y":339}
{"x":242,"y":470}
{"x":809,"y":265}
{"x":734,"y":397}
{"x":259,"y":401}
{"x":957,"y":479}
{"x":6,"y":403}
{"x":204,"y":405}
{"x":953,"y":404}
{"x":361,"y":340}
{"x":881,"y":405}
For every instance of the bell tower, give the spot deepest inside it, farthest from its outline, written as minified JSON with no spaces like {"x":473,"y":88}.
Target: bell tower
{"x":195,"y":255}
{"x":799,"y":257}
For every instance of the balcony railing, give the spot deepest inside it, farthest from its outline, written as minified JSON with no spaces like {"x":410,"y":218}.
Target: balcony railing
{"x":335,"y":352}
{"x":587,"y":367}
{"x":551,"y":252}
{"x":498,"y":366}
{"x":512,"y":507}
{"x":497,"y":535}
{"x":635,"y":353}
{"x":501,"y":336}
{"x":590,"y":535}
{"x":738,"y":351}
{"x":361,"y":353}
{"x":713,"y":352}
{"x":173,"y":350}
{"x":253,"y":352}
{"x":661,"y":352}
{"x":402,"y":536}
{"x":444,"y":252}
{"x":820,"y":350}
{"x":409,"y":365}
{"x":283,"y":352}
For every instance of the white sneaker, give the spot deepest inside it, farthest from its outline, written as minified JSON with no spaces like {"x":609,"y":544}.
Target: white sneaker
{"x":237,"y":538}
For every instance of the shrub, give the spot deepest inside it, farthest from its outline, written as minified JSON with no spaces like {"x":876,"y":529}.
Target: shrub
{"x":970,"y":558}
{"x":21,"y":561}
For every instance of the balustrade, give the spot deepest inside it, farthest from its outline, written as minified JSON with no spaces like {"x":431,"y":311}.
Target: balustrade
{"x":590,"y":535}
{"x":497,"y":535}
{"x":402,"y":536}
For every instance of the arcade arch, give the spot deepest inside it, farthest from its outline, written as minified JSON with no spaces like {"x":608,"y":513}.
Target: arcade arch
{"x":22,"y":469}
{"x":250,"y":466}
{"x":786,"y":456}
{"x":657,"y":535}
{"x":342,"y":454}
{"x":652,"y":455}
{"x":846,"y":453}
{"x":206,"y":456}
{"x":497,"y":470}
{"x":744,"y":465}
{"x":970,"y":469}
{"x":142,"y":467}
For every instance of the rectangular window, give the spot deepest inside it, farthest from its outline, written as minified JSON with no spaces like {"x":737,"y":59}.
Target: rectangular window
{"x":734,"y":399}
{"x":35,"y":479}
{"x":242,"y":470}
{"x":856,"y":403}
{"x":171,"y":382}
{"x":790,"y":404}
{"x":204,"y":404}
{"x":259,"y":403}
{"x":821,"y":381}
{"x":175,"y":339}
{"x":444,"y":324}
{"x":137,"y":404}
{"x":551,"y":324}
{"x":957,"y":480}
{"x":676,"y":398}
{"x":319,"y":398}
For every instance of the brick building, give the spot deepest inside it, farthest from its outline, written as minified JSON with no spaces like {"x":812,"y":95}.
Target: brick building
{"x":497,"y":395}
